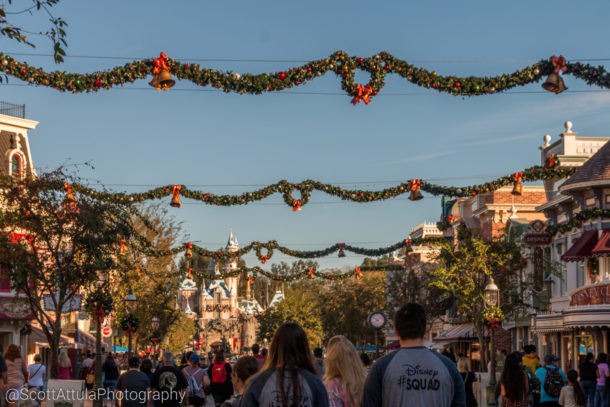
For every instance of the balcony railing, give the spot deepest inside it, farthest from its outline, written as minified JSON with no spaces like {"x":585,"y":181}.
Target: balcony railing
{"x":11,"y":109}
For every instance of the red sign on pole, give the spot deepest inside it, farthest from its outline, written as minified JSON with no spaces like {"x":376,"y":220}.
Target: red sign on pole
{"x":106,"y":332}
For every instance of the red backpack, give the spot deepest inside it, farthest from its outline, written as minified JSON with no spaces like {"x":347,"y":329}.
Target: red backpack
{"x":219,"y":372}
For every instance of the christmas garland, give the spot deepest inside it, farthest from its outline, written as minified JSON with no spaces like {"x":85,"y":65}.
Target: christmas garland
{"x":535,"y":173}
{"x":264,"y":251}
{"x":99,"y":303}
{"x":578,"y":219}
{"x":130,"y":323}
{"x":342,"y":64}
{"x":311,"y":273}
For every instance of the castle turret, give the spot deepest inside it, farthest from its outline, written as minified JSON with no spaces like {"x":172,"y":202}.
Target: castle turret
{"x":232,"y":282}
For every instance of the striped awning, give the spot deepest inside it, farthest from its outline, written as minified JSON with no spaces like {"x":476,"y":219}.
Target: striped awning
{"x":582,"y":248}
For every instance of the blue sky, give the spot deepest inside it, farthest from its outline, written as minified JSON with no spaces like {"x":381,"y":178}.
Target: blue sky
{"x":143,"y":137}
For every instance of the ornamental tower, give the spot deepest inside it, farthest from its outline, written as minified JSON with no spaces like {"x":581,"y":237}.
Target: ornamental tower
{"x":232,"y":247}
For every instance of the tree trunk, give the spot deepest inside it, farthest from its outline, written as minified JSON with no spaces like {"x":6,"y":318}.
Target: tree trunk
{"x":480,"y":332}
{"x":54,"y":352}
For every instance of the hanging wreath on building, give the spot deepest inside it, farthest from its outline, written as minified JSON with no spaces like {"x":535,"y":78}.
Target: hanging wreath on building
{"x":593,"y":267}
{"x":99,"y":303}
{"x":130,"y":323}
{"x":493,"y":317}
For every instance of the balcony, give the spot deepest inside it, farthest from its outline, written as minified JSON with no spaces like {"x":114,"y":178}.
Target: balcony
{"x":11,"y":109}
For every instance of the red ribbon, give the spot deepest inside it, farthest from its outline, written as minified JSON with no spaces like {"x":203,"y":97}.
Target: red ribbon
{"x":358,"y":272}
{"x":552,"y":160}
{"x":176,"y":190}
{"x":559,"y":64}
{"x":518,"y":176}
{"x":250,"y":280}
{"x":130,"y":330}
{"x":161,"y":63}
{"x":296,"y":206}
{"x":363,"y":94}
{"x":310,"y":273}
{"x":100,"y":313}
{"x":408,"y":242}
{"x":415,"y":184}
{"x":264,"y":259}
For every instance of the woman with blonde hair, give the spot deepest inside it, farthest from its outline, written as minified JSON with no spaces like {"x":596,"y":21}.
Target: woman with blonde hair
{"x":16,"y":373}
{"x":64,"y":366}
{"x":345,"y":375}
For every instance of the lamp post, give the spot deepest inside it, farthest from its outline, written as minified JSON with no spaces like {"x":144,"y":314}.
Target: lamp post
{"x":130,"y":301}
{"x":155,"y":327}
{"x":492,"y":299}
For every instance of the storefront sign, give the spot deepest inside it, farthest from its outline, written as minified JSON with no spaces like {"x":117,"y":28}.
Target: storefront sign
{"x":537,"y":238}
{"x":598,"y":294}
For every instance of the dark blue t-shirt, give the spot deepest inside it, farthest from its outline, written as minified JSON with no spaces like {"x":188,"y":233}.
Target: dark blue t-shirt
{"x":414,"y":377}
{"x":263,"y":390}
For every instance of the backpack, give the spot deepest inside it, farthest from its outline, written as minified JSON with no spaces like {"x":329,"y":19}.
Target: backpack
{"x":219,"y":372}
{"x":553,"y":382}
{"x":193,"y":386}
{"x":532,"y":380}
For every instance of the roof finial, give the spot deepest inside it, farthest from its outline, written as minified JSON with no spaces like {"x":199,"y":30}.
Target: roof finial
{"x":568,"y":126}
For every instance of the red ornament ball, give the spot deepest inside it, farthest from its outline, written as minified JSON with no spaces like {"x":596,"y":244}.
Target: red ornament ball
{"x":98,"y":83}
{"x":457,"y":84}
{"x":374,"y":92}
{"x":186,"y":66}
{"x":23,"y":71}
{"x":281,"y":75}
{"x":309,"y":69}
{"x":360,"y":60}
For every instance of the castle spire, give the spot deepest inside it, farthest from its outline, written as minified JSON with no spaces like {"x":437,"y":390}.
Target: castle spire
{"x":232,"y":243}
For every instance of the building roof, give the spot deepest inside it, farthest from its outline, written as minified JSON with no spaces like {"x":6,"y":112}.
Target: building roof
{"x":595,"y":171}
{"x":277,"y":298}
{"x":249,"y":307}
{"x":188,"y":285}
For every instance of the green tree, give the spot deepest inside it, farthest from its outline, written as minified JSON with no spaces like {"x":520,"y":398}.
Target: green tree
{"x":180,"y":333}
{"x":56,"y":243}
{"x":465,"y":270}
{"x":346,"y":304}
{"x":154,"y":279}
{"x":9,"y":26}
{"x":300,"y":306}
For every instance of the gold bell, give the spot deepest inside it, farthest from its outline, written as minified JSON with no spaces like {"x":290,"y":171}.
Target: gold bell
{"x":416,"y":195}
{"x":123,"y":250}
{"x":165,"y":80}
{"x":517,"y":188}
{"x":176,"y":203}
{"x":554,"y":83}
{"x":155,"y":82}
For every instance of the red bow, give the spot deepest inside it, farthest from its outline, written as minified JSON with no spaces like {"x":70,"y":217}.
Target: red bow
{"x":264,"y":259}
{"x":176,"y":189}
{"x":250,"y":280}
{"x":130,"y":330}
{"x":160,"y":63}
{"x":518,"y":176}
{"x":310,"y":273}
{"x":415,"y":184}
{"x":408,"y":242}
{"x":296,"y":206}
{"x":358,"y":273}
{"x":559,"y":63}
{"x":363,"y":94}
{"x":101,"y":314}
{"x":552,"y":159}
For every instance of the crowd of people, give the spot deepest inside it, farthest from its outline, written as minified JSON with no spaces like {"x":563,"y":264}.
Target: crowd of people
{"x":289,"y":374}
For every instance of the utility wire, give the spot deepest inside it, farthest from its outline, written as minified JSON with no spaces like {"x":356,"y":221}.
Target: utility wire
{"x":418,"y":61}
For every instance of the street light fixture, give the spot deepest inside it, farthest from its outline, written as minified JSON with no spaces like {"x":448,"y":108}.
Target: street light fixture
{"x":155,"y":323}
{"x":130,"y":301}
{"x":492,"y":299}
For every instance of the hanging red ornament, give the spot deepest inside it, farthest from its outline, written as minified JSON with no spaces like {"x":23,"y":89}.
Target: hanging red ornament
{"x":176,"y":203}
{"x":123,"y":250}
{"x":415,"y":194}
{"x":281,"y":75}
{"x":341,"y":250}
{"x":517,"y":186}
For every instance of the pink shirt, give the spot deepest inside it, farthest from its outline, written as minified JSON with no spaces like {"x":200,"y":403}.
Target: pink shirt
{"x":602,"y":369}
{"x":14,"y":373}
{"x":63,"y":372}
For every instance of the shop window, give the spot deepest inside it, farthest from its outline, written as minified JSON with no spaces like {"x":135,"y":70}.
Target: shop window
{"x":16,"y":165}
{"x":580,"y":274}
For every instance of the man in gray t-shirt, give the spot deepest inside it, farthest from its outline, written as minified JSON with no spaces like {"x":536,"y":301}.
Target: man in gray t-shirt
{"x":134,"y":385}
{"x":413,"y":375}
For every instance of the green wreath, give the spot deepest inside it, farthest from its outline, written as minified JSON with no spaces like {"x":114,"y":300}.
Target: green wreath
{"x":130,"y":323}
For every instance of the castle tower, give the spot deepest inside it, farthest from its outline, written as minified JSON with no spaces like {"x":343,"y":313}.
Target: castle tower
{"x":232,"y":247}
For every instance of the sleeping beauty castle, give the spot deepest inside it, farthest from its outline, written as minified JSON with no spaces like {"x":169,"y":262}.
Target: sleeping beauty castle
{"x":224,"y":320}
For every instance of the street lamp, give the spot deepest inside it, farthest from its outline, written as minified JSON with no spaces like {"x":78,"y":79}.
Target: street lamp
{"x":130,"y":301}
{"x":155,"y":323}
{"x":155,"y":328}
{"x":492,"y":299}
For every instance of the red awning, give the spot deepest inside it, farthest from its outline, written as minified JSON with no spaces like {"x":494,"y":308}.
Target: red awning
{"x":392,"y":345}
{"x":602,"y":248}
{"x":582,"y":248}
